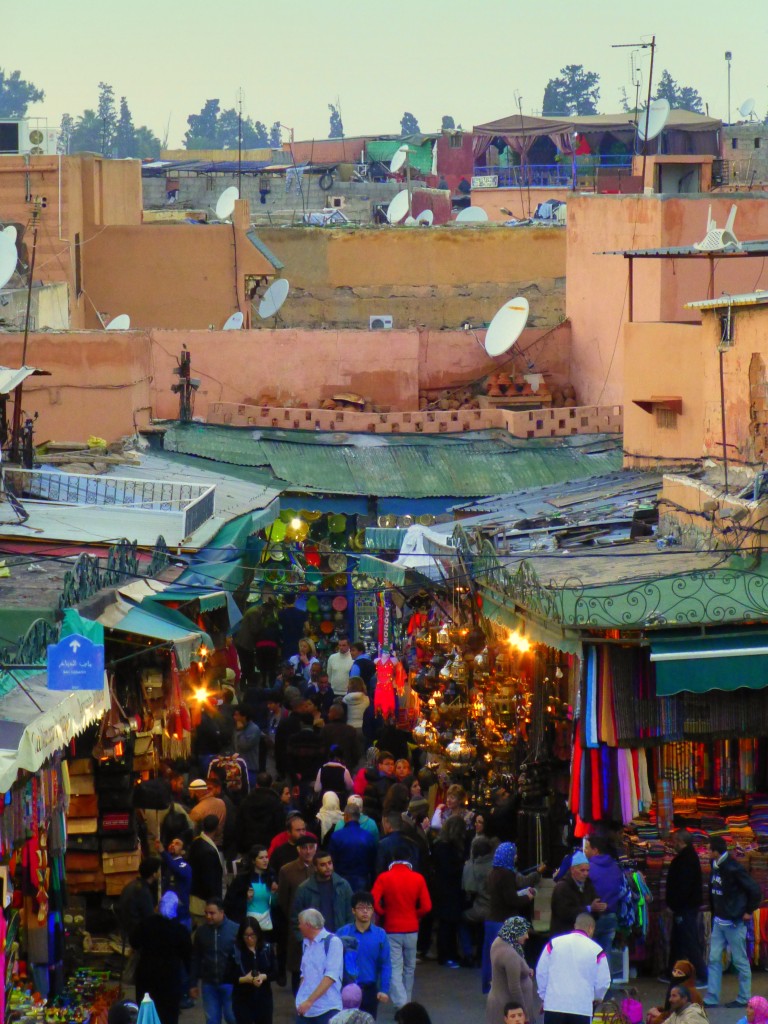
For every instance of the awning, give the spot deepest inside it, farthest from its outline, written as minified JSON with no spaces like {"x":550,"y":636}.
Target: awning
{"x":567,"y":641}
{"x":10,"y":378}
{"x":29,"y":735}
{"x":381,"y":569}
{"x":701,"y":664}
{"x":162,"y":624}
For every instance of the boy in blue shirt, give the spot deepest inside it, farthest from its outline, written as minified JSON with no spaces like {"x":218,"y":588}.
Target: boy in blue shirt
{"x":374,"y":966}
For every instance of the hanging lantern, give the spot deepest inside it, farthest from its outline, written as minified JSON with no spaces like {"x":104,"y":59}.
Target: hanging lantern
{"x":460,"y":751}
{"x":443,"y":636}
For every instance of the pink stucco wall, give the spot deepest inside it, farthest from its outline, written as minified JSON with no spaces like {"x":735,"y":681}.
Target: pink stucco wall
{"x":597,"y":285}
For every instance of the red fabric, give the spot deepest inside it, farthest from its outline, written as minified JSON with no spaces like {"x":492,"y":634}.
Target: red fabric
{"x":401,"y":899}
{"x":576,"y":770}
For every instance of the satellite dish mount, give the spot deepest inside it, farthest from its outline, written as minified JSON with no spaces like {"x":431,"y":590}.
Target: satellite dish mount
{"x":401,"y":160}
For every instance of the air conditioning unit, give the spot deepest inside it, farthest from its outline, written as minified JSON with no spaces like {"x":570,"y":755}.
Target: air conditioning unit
{"x":28,"y":135}
{"x":380,"y":323}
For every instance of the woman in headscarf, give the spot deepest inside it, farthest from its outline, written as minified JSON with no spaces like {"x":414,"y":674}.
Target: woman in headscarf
{"x":683,"y":973}
{"x":504,"y":901}
{"x":757,"y":1010}
{"x":328,"y":816}
{"x":511,"y":977}
{"x":165,"y":948}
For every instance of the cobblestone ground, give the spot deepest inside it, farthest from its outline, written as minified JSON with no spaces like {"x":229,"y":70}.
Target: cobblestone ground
{"x":454,"y":997}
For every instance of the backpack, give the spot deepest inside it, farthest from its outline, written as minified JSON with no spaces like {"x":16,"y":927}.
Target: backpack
{"x":349,"y":942}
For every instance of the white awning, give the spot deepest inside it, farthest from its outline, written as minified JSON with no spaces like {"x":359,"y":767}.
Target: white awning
{"x":36,"y":723}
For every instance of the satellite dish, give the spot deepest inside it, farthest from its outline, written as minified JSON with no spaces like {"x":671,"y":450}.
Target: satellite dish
{"x":471,"y":215}
{"x":8,"y":259}
{"x":719,"y":238}
{"x":426,"y":218}
{"x":747,"y":108}
{"x":274,"y":297}
{"x":658,"y":114}
{"x":225,"y":204}
{"x":410,"y":222}
{"x":9,"y":234}
{"x":119,"y":323}
{"x":398,"y":208}
{"x":397,"y":161}
{"x":234,"y":322}
{"x":507,"y":326}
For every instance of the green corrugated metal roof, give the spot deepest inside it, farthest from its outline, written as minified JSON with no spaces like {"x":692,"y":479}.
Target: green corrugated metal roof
{"x":409,"y":466}
{"x":420,"y":156}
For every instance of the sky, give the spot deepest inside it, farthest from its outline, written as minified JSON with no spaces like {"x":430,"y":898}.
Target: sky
{"x":465,"y":58}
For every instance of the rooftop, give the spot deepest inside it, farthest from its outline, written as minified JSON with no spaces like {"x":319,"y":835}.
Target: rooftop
{"x":724,"y":301}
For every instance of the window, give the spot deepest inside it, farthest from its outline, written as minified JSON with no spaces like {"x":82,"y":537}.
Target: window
{"x":757,"y":143}
{"x":456,"y":140}
{"x":734,"y":143}
{"x":666,"y":419}
{"x":78,"y":268}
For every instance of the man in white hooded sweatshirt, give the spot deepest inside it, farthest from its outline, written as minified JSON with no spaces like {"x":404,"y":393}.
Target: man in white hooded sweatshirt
{"x":572,"y":975}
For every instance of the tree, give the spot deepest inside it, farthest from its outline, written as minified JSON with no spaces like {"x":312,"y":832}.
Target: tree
{"x":576,"y":91}
{"x":203,"y":127}
{"x":16,"y":94}
{"x":337,"y":125}
{"x":86,"y":134}
{"x":679,"y":97}
{"x":66,"y":128}
{"x":125,"y":133}
{"x":448,"y":124}
{"x":409,"y":125}
{"x":107,"y":116}
{"x":276,"y":136}
{"x":260,"y":135}
{"x":146,"y":144}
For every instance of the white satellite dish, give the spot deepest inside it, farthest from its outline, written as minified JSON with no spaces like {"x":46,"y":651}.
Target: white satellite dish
{"x":398,"y":208}
{"x":10,"y":234}
{"x":747,"y":108}
{"x":225,"y":204}
{"x":410,"y":222}
{"x":274,"y":297}
{"x":507,"y":326}
{"x":234,"y":322}
{"x":119,"y":323}
{"x":657,"y":115}
{"x":8,"y":259}
{"x":471,"y":215}
{"x":426,"y":218}
{"x":397,"y":161}
{"x":719,"y":238}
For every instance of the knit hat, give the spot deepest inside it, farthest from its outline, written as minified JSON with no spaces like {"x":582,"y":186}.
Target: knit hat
{"x":198,"y":786}
{"x":351,"y":996}
{"x":579,"y":858}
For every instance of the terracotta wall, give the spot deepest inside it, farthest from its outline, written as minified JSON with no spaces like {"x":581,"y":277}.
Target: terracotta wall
{"x":597,"y":292}
{"x":438,"y":277}
{"x":521,"y":202}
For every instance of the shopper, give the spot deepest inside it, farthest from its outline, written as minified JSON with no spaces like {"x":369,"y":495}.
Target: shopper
{"x":572,"y":974}
{"x":351,"y":998}
{"x":137,"y":902}
{"x":374,"y":960}
{"x":253,"y":892}
{"x":448,"y":858}
{"x":353,"y":850}
{"x":327,"y":817}
{"x":206,"y":803}
{"x":684,"y":1011}
{"x":251,"y":970}
{"x":511,"y":977}
{"x":247,"y":739}
{"x":207,"y":867}
{"x":164,"y":949}
{"x":260,"y":815}
{"x":608,"y":880}
{"x":684,"y":899}
{"x":212,"y":948}
{"x":734,"y":896}
{"x":506,"y":899}
{"x":682,"y":974}
{"x":573,"y":895}
{"x":322,"y":968}
{"x":339,"y":666}
{"x":177,"y":877}
{"x":401,"y":899}
{"x":324,"y":891}
{"x":291,"y":876}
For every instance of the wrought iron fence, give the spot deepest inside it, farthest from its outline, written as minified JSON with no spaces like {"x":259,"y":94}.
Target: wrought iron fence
{"x":76,"y":489}
{"x":559,"y":175}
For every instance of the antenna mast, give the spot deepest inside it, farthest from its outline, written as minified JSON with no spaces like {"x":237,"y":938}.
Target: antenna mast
{"x":643,"y":46}
{"x":16,"y":438}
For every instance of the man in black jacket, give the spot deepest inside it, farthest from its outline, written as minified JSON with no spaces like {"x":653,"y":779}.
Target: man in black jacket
{"x":573,"y":895}
{"x":137,"y":901}
{"x":260,"y":816}
{"x":735,"y":896}
{"x":684,"y":896}
{"x":207,"y":869}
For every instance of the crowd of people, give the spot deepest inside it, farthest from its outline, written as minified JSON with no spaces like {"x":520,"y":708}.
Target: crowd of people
{"x":307,"y":844}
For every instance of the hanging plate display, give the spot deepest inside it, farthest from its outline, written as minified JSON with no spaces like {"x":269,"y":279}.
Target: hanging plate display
{"x":387,"y":522}
{"x":405,"y":521}
{"x":313,"y":604}
{"x":426,"y":520}
{"x":339,"y":603}
{"x":314,"y":577}
{"x":327,"y":627}
{"x":337,"y":562}
{"x":357,"y":541}
{"x":287,"y":514}
{"x":337,"y":523}
{"x":298,"y":533}
{"x":312,"y":555}
{"x":276,"y":532}
{"x":310,"y":516}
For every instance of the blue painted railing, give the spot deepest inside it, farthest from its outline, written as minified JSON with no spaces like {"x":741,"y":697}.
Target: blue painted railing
{"x":551,"y":175}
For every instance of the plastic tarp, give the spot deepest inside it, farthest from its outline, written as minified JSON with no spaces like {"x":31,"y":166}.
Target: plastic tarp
{"x":701,"y":664}
{"x":159,"y":623}
{"x":35,"y":722}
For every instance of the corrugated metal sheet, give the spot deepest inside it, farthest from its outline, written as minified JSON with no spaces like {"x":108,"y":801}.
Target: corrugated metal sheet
{"x":723,"y":301}
{"x":481,"y":463}
{"x":11,"y":378}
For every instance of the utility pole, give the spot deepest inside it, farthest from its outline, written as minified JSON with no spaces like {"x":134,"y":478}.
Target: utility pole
{"x":239,"y":143}
{"x":185,"y":386}
{"x":17,"y":394}
{"x":729,"y":58}
{"x":643,"y":46}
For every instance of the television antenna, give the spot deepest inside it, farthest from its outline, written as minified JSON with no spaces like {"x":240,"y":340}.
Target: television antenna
{"x":399,"y":207}
{"x":506,"y":326}
{"x":716,"y":239}
{"x":747,"y":109}
{"x":234,"y":322}
{"x":122,"y":322}
{"x":401,"y":160}
{"x":471,"y":215}
{"x":273,"y":299}
{"x":643,"y":45}
{"x":225,"y":204}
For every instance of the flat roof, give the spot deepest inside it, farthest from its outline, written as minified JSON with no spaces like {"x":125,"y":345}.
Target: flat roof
{"x":723,"y":301}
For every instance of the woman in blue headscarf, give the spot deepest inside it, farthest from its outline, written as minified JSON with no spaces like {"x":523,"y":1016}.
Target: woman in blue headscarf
{"x":165,"y":948}
{"x":505,"y":900}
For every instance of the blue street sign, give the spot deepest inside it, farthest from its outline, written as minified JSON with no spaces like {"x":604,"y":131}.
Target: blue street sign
{"x":75,"y":663}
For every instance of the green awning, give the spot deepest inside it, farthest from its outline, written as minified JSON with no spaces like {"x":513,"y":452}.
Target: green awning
{"x":562,"y":640}
{"x":380,"y":569}
{"x":701,"y":664}
{"x":384,"y":538}
{"x":209,"y":599}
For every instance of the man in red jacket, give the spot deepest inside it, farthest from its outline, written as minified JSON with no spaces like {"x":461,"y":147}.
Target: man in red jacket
{"x":401,"y":899}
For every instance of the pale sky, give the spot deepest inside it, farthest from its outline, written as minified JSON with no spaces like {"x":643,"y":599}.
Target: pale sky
{"x":465,"y":58}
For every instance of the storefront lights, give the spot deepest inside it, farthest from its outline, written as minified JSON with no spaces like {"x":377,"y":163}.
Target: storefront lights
{"x":519,"y":642}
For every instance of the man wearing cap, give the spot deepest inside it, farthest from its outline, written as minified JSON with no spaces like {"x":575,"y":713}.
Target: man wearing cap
{"x":206,"y":803}
{"x":574,"y":895}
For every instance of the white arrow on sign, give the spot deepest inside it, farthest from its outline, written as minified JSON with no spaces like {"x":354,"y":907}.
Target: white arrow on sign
{"x":75,"y":646}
